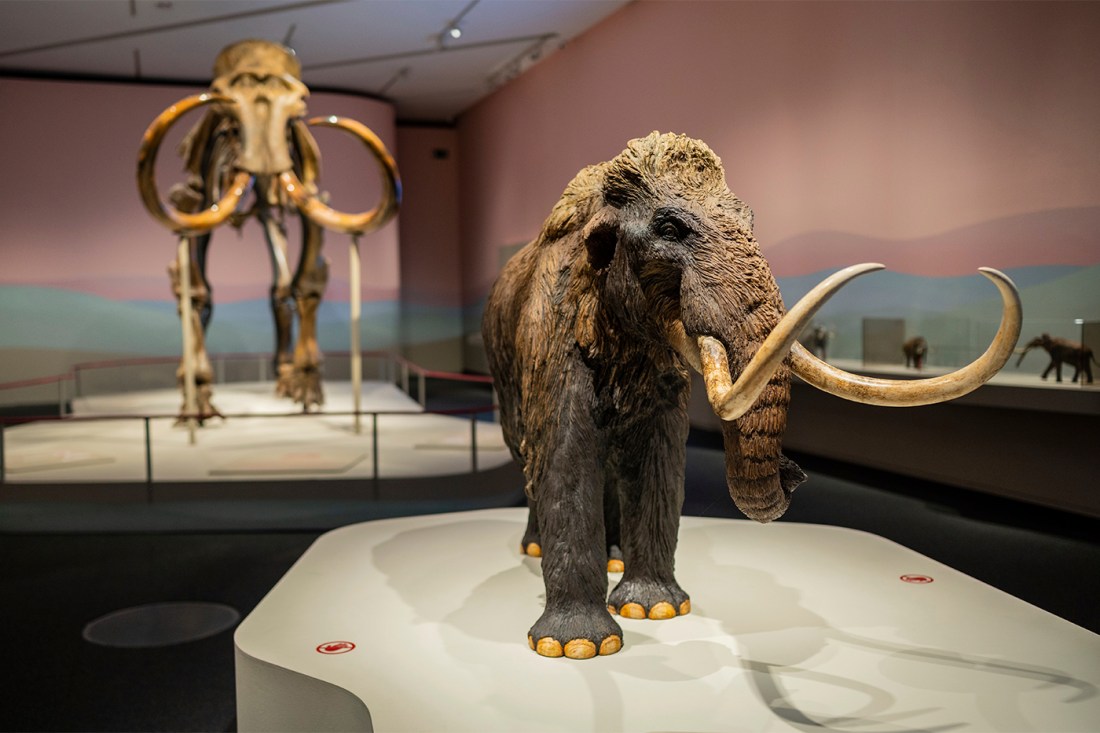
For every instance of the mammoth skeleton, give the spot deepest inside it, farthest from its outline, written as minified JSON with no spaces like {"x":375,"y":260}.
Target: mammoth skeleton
{"x":645,"y":269}
{"x":254,"y":138}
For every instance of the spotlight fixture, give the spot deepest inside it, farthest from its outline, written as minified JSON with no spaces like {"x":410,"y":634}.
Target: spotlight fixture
{"x":453,"y":30}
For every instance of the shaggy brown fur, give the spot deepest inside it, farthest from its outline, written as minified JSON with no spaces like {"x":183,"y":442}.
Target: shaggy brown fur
{"x":594,"y":397}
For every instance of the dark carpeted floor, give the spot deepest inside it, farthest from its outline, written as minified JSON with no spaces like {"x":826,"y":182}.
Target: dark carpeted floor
{"x":52,"y":585}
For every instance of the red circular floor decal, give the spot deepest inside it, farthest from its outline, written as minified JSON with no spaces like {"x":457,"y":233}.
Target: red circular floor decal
{"x":335,"y":647}
{"x":916,"y":579}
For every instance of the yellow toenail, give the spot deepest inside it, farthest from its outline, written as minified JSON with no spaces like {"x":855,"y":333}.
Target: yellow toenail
{"x":685,"y":607}
{"x":615,"y":566}
{"x":580,"y":649}
{"x":612,"y":610}
{"x":549,"y":647}
{"x":530,"y":641}
{"x":662,"y":611}
{"x":632,"y":610}
{"x":610,"y":645}
{"x":534,"y":550}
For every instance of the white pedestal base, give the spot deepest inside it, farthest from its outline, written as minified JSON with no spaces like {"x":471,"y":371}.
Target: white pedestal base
{"x":793,"y":627}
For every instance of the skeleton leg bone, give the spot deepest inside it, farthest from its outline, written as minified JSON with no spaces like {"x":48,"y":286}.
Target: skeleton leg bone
{"x":194,"y":374}
{"x":308,"y":288}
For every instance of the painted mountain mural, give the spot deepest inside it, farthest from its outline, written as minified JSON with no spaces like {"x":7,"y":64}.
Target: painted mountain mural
{"x":931,"y":283}
{"x":1066,"y":237}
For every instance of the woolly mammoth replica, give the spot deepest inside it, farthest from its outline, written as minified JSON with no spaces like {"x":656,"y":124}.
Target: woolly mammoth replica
{"x":915,"y":349}
{"x":254,"y":139}
{"x":1062,"y":351}
{"x":647,"y":268}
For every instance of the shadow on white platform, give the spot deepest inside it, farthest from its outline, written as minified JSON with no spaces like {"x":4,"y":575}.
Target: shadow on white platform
{"x":420,"y":624}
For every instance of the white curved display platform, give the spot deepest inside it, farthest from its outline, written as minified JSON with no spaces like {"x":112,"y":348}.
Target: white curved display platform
{"x":420,"y":624}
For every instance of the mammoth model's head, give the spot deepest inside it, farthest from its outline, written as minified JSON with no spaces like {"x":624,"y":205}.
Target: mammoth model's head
{"x":665,"y":237}
{"x":255,"y":127}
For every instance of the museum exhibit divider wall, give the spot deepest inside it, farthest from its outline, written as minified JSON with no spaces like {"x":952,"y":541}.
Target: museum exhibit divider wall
{"x":932,"y":137}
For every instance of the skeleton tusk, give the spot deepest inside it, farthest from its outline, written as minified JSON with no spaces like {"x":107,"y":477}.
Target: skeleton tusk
{"x":732,"y":400}
{"x":171,"y":217}
{"x":913,"y":392}
{"x":329,"y":218}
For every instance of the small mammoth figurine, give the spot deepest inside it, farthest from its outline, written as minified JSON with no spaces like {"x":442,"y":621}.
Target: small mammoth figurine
{"x":1062,"y":351}
{"x":915,"y":349}
{"x":818,"y":342}
{"x":646,"y":268}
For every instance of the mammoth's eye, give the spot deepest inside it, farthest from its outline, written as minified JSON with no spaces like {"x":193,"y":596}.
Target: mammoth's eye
{"x":671,"y":228}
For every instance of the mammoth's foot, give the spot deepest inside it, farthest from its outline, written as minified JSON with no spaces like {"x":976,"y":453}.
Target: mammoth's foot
{"x":531,"y":544}
{"x":615,"y":560}
{"x":204,"y":408}
{"x":576,"y":632}
{"x":648,"y":599}
{"x":284,"y":381}
{"x":305,"y":388}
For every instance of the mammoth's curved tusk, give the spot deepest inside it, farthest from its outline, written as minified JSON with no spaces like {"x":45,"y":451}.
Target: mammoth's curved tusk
{"x":329,"y":218}
{"x":913,"y":392}
{"x":732,"y":400}
{"x":171,"y":217}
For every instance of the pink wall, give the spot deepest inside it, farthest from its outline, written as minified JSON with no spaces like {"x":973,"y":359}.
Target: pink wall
{"x":891,"y":121}
{"x":73,"y":219}
{"x":430,"y":262}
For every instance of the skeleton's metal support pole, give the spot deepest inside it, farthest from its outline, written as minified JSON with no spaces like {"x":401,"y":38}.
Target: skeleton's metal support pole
{"x":183,"y":254}
{"x":356,"y":352}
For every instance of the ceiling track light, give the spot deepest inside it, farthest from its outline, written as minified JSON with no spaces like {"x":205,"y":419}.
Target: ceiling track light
{"x":453,"y":31}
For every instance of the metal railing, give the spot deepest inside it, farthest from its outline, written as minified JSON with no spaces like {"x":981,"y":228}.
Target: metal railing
{"x":390,"y":368}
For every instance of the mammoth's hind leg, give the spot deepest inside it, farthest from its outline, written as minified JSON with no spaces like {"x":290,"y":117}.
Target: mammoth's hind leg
{"x":531,"y":544}
{"x":611,"y":518}
{"x":650,"y":472}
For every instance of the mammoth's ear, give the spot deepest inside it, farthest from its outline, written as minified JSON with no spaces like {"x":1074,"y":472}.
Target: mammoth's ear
{"x":601,"y":237}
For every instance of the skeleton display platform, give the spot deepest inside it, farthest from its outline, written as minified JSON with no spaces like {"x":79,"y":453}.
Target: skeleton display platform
{"x":261,"y":439}
{"x":419,"y":624}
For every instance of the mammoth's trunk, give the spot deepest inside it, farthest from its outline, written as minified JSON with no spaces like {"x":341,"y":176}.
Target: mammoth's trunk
{"x":724,"y":327}
{"x":759,"y":476}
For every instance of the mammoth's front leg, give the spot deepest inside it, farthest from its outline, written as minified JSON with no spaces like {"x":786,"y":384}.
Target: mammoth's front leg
{"x":282,"y":301}
{"x":309,"y":288}
{"x":569,"y":502}
{"x":201,"y":308}
{"x":1055,"y":366}
{"x":531,"y":544}
{"x":649,"y":470}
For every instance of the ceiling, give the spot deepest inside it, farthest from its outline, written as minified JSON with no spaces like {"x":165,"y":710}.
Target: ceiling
{"x":398,"y":50}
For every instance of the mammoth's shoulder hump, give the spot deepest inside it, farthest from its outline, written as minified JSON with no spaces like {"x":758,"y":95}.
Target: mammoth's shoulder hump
{"x":580,"y":199}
